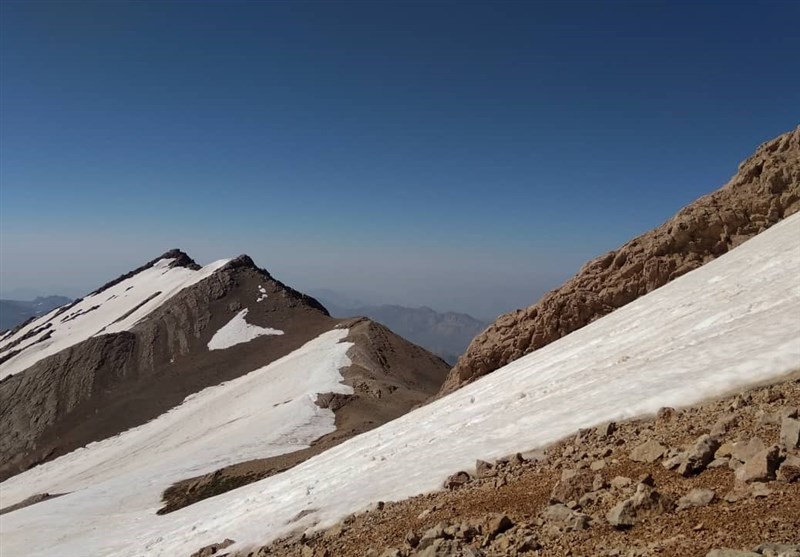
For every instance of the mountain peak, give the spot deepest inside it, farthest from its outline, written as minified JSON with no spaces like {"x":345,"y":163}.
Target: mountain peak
{"x":243,"y":261}
{"x":181,"y":259}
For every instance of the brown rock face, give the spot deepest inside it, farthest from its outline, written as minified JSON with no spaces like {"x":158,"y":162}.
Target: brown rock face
{"x":764,"y":190}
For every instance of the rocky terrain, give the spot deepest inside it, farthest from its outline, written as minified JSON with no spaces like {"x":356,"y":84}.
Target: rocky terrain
{"x":765,"y":189}
{"x":721,"y":479}
{"x":112,"y":382}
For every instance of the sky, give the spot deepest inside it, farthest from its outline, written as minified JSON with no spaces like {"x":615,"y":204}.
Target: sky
{"x":467,"y":156}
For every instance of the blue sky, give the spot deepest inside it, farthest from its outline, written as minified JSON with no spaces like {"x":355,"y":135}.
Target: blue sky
{"x":462,"y":155}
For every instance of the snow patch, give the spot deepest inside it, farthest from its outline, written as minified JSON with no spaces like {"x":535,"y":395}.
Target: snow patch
{"x":237,"y":331}
{"x":262,"y":295}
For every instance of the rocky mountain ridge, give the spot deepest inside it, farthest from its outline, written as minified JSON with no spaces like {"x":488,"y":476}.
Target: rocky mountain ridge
{"x":765,"y":189}
{"x":109,"y":383}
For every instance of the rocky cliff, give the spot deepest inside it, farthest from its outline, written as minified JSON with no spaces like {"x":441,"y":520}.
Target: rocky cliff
{"x":765,"y":189}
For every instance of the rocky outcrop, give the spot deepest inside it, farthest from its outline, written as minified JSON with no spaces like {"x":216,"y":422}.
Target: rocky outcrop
{"x":765,"y":189}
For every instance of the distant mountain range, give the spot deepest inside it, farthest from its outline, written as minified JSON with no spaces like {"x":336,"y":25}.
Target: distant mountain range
{"x":14,"y":312}
{"x":445,"y":334}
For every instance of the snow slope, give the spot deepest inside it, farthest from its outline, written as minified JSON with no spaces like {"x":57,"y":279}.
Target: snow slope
{"x":114,"y":486}
{"x":237,"y":331}
{"x":731,"y":323}
{"x":115,"y":309}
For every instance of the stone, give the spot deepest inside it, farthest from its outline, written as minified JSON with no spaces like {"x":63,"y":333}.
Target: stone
{"x":620,"y":482}
{"x":760,"y":490}
{"x":212,"y":549}
{"x":673,"y":462}
{"x":731,"y":553}
{"x":565,"y":518}
{"x":698,"y":497}
{"x":493,"y":524}
{"x":598,"y":483}
{"x":412,"y":539}
{"x":723,"y":424}
{"x":457,"y":480}
{"x":606,"y":429}
{"x":777,"y":549}
{"x":699,"y":456}
{"x":431,"y":535}
{"x":666,"y":414}
{"x":761,"y":467}
{"x":789,"y":470}
{"x":744,"y":451}
{"x":645,"y":502}
{"x":719,"y":462}
{"x":790,"y":433}
{"x":725,"y":450}
{"x":484,"y":469}
{"x":572,"y":485}
{"x":597,"y":465}
{"x":649,"y":451}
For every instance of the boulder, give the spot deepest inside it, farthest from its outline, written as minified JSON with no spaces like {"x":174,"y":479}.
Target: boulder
{"x":493,"y":524}
{"x":761,"y":467}
{"x":606,"y":429}
{"x":484,"y":469}
{"x":699,"y":456}
{"x":723,"y":424}
{"x":213,"y":549}
{"x":790,"y":433}
{"x":744,"y":451}
{"x":698,"y":497}
{"x":645,"y":502}
{"x":649,"y":451}
{"x":778,"y":549}
{"x":457,"y":480}
{"x":572,"y":485}
{"x":620,"y":482}
{"x":565,"y":518}
{"x":789,"y":470}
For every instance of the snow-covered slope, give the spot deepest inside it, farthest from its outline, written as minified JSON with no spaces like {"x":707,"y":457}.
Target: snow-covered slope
{"x":111,"y":310}
{"x":116,"y":484}
{"x":733,"y":322}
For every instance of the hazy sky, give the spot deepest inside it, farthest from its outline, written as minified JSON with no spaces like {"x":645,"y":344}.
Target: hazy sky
{"x":462,"y":155}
